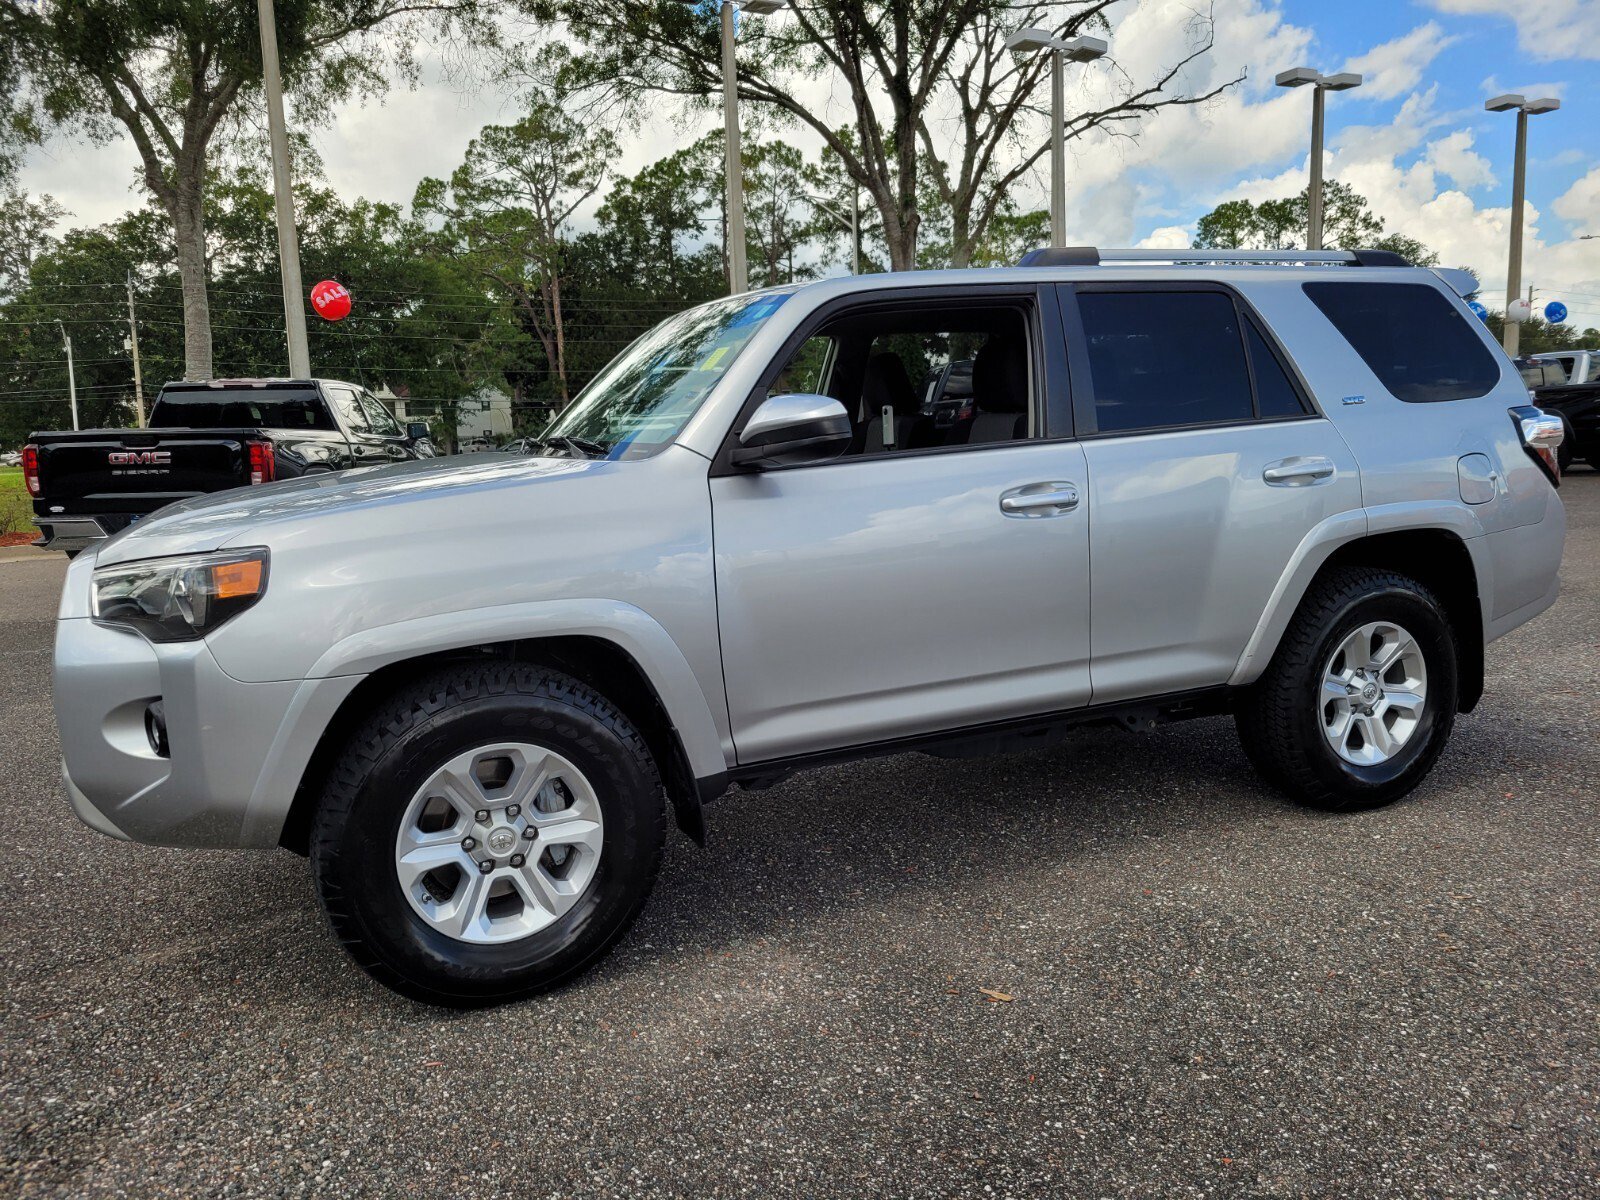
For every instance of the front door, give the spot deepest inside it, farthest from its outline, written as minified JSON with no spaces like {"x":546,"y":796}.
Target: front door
{"x":932,"y":578}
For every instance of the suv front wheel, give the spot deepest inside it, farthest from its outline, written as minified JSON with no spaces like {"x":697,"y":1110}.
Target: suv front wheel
{"x":488,"y":834}
{"x":1360,"y":697}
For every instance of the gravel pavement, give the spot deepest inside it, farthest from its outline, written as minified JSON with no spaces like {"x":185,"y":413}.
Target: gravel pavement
{"x":1213,"y":993}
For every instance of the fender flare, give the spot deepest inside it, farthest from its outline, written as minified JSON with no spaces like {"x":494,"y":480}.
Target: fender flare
{"x":1334,"y":532}
{"x":344,"y":664}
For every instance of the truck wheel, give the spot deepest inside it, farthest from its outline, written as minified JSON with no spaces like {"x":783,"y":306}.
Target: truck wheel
{"x":1360,"y":697}
{"x":488,"y":834}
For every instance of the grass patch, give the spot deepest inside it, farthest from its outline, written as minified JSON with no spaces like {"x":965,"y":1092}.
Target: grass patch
{"x":16,"y":509}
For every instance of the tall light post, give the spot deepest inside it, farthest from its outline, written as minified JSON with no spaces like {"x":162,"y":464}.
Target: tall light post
{"x":294,"y":304}
{"x":1031,"y":38}
{"x":738,"y":266}
{"x":72,"y":378}
{"x":1522,"y":106}
{"x":1300,"y":77}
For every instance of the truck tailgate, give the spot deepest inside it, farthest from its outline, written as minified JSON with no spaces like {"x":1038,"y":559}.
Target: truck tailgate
{"x":139,"y":471}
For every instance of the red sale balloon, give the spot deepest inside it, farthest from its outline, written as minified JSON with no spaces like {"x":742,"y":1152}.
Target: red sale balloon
{"x":331,"y":299}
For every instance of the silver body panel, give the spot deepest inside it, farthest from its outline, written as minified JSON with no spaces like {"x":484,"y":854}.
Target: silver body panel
{"x":804,"y":610}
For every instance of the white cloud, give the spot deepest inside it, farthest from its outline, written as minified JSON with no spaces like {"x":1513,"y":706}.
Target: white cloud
{"x":1168,"y":237}
{"x":1396,"y":67}
{"x":1546,"y":29}
{"x":1581,"y":202}
{"x":1453,"y":157}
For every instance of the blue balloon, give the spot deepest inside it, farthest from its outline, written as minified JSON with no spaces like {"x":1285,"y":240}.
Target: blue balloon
{"x":1555,"y":312}
{"x":1478,"y":310}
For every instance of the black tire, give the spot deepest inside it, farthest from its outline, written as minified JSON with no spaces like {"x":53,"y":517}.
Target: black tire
{"x":1280,"y":719}
{"x":385,"y":763}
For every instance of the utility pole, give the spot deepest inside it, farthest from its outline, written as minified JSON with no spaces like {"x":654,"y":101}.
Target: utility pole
{"x":738,"y":268}
{"x":294,"y":306}
{"x":1519,"y":178}
{"x":72,"y":378}
{"x":133,"y":345}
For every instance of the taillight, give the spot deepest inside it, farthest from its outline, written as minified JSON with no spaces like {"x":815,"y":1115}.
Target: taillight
{"x":263,"y":463}
{"x":30,"y":470}
{"x":1541,"y":433}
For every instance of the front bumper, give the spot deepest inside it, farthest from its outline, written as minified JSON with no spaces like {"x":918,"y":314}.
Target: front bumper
{"x":236,"y":751}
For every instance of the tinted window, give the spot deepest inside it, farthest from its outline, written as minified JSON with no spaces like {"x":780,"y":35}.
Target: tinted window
{"x":382,"y":423}
{"x":216,"y":408}
{"x":349,"y":409}
{"x":1412,"y":338}
{"x":1275,"y":395}
{"x":1160,"y":359}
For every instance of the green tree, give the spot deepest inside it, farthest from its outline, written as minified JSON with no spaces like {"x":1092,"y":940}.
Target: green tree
{"x":907,"y":67}
{"x":170,"y":74}
{"x":26,"y":223}
{"x":507,"y":210}
{"x":1347,"y":223}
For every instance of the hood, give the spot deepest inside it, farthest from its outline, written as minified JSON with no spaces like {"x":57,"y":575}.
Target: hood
{"x":240,"y":514}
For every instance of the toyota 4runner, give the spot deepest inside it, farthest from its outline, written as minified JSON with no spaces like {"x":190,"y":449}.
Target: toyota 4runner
{"x":1303,"y":488}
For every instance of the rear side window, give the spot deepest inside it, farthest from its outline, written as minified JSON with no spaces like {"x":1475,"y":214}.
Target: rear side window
{"x":1411,"y":337}
{"x":221,"y":408}
{"x":1164,"y":359}
{"x":1274,"y":393}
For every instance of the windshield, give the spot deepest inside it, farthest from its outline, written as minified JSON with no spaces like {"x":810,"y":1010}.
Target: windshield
{"x":641,"y":401}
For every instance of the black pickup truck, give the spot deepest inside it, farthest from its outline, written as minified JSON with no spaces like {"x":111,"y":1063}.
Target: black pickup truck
{"x":1577,"y":404}
{"x":206,"y":437}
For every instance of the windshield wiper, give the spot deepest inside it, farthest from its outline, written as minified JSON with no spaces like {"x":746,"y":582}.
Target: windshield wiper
{"x":575,"y":446}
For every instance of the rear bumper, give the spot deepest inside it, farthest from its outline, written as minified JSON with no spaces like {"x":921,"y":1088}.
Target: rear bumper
{"x":75,"y":533}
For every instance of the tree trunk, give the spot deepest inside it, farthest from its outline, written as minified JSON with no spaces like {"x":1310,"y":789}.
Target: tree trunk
{"x":561,"y":339}
{"x":186,"y":208}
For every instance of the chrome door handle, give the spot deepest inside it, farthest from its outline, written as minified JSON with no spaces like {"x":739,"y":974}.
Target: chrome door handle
{"x":1299,"y":471}
{"x":1040,"y":499}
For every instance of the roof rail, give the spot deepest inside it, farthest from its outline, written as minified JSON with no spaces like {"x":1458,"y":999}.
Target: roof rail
{"x":1093,"y":256}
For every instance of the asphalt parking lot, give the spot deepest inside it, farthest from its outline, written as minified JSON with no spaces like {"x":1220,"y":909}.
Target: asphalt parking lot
{"x":1213,"y":993}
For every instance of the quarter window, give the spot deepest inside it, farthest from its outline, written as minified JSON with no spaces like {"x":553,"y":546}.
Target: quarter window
{"x":1165,"y":359}
{"x":1413,"y":339}
{"x":1275,"y":395}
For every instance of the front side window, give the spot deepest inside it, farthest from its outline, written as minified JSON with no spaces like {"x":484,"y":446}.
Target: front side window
{"x":921,"y":378}
{"x":382,"y":423}
{"x":1161,"y":360}
{"x":1412,"y":338}
{"x":640,"y":403}
{"x":349,"y":409}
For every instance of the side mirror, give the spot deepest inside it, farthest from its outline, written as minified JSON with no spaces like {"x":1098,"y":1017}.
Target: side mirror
{"x":797,"y":428}
{"x":417,"y":431}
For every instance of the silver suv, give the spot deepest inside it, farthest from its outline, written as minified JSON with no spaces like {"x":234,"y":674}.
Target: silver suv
{"x":1301,"y":488}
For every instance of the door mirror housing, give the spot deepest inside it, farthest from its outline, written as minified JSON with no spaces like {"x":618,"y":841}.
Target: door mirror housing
{"x":417,"y":431}
{"x":791,"y":429}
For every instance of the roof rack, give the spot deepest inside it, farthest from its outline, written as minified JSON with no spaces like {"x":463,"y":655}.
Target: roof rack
{"x":1093,"y":256}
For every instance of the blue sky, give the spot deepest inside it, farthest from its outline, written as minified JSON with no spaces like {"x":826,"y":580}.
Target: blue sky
{"x":1414,"y":139}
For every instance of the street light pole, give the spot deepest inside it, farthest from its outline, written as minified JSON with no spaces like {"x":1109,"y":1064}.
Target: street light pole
{"x":72,"y":378}
{"x":1523,"y":107}
{"x":1078,"y":49}
{"x":853,"y":224}
{"x":294,"y":306}
{"x":1299,"y":77}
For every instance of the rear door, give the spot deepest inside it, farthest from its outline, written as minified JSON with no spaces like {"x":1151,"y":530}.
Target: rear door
{"x":1208,"y":464}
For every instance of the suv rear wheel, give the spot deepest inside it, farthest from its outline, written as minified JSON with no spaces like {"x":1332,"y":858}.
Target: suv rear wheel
{"x":491,"y":832}
{"x":1360,"y":697}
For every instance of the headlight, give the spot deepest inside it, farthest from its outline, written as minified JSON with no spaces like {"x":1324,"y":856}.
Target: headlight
{"x":179,"y":599}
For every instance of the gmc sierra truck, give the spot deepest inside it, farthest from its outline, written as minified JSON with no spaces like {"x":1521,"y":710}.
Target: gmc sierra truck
{"x":201,"y":438}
